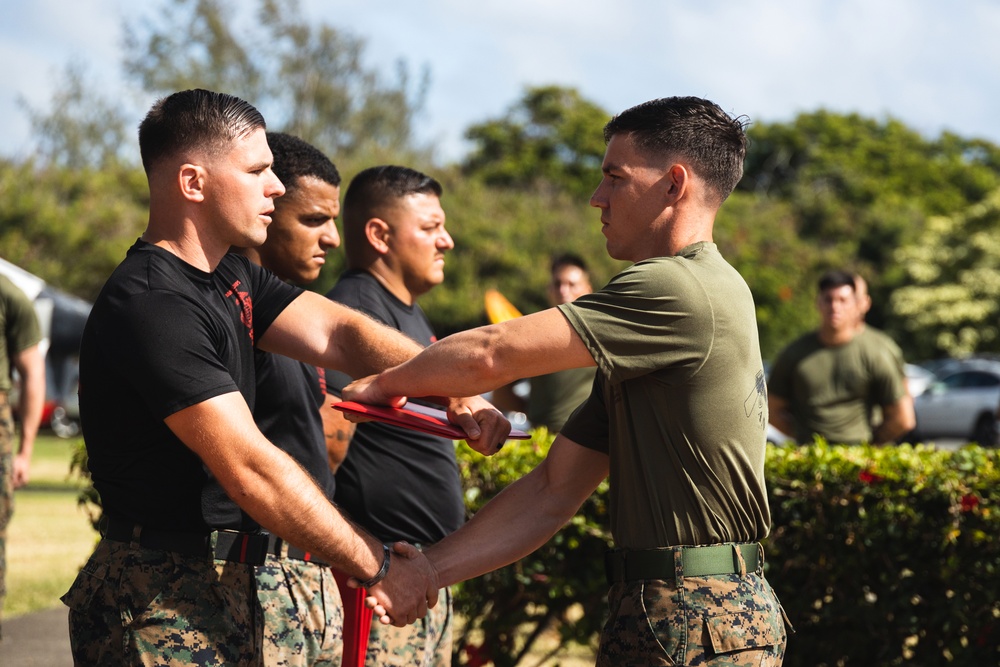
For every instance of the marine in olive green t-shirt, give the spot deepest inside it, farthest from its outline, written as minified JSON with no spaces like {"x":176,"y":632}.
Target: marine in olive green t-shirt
{"x":832,"y":390}
{"x":554,"y":396}
{"x":679,"y":404}
{"x":19,"y":328}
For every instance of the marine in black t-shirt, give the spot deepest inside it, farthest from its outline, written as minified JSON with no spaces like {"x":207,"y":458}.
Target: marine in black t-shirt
{"x":163,"y":336}
{"x":398,"y":483}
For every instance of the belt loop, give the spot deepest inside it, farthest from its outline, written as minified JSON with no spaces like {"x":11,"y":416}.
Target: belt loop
{"x":134,"y":543}
{"x":739,"y":560}
{"x":679,"y":566}
{"x":760,"y":557}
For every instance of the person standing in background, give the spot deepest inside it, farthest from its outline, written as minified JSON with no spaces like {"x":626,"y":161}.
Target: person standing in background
{"x":553,"y":397}
{"x":831,"y":381}
{"x":20,"y":335}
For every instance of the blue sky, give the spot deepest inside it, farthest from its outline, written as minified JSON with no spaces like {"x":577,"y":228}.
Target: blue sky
{"x":931,"y":65}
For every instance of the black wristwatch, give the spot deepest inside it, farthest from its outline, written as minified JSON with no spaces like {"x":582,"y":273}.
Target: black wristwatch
{"x":384,"y":570}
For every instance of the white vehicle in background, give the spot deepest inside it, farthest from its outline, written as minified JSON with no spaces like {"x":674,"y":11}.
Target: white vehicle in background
{"x":62,"y":317}
{"x":960,"y":403}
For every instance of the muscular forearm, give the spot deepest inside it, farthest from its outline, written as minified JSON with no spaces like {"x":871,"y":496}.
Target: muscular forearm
{"x":270,"y":486}
{"x":523,"y":516}
{"x":311,"y":522}
{"x":323,"y":333}
{"x":31,"y":366}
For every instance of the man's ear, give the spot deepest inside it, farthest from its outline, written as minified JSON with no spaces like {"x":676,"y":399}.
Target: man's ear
{"x":377,"y":232}
{"x":676,"y":182}
{"x":192,"y":179}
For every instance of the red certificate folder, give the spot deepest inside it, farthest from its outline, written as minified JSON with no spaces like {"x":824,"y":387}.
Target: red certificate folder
{"x":416,"y":417}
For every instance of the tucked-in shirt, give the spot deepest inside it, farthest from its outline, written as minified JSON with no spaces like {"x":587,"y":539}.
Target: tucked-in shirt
{"x":679,"y":403}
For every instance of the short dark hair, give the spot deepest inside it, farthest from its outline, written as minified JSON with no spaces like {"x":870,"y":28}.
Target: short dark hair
{"x":568,"y":259}
{"x":836,"y":278}
{"x":698,"y":130}
{"x":295,"y":158}
{"x":192,"y":119}
{"x":375,"y":189}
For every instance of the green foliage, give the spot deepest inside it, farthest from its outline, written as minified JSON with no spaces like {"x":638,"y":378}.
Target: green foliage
{"x":858,"y":188}
{"x":887,"y":556}
{"x":82,"y":130}
{"x":949,"y":303}
{"x":759,"y":238}
{"x":307,"y":78}
{"x":504,"y":240}
{"x":552,"y":135}
{"x":562,"y":580}
{"x":880,"y":556}
{"x":71,"y":226}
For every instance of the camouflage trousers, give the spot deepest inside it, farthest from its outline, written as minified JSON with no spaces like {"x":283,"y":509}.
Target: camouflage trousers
{"x":303,"y":614}
{"x":424,"y":643}
{"x":6,"y":487}
{"x":132,"y":606}
{"x":718,"y":621}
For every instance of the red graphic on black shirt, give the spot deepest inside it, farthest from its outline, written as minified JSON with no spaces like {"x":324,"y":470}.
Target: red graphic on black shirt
{"x":245,"y":304}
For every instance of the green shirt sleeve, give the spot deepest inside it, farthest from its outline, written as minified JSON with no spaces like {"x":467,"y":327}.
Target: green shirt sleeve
{"x":650,"y":317}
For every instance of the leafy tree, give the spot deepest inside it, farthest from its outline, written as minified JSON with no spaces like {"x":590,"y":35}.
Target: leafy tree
{"x":551,"y":135}
{"x":504,"y":239}
{"x":72,"y":226}
{"x":858,"y":189}
{"x":82,"y":129}
{"x":950,"y":304}
{"x":308,"y":79}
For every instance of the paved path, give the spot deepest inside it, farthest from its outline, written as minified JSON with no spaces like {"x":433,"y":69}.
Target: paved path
{"x":36,"y":640}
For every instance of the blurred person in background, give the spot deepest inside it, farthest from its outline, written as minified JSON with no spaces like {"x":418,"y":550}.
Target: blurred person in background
{"x":835,"y":381}
{"x":20,"y":335}
{"x":553,"y":397}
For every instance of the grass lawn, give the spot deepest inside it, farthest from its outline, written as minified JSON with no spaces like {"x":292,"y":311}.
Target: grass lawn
{"x":49,"y":537}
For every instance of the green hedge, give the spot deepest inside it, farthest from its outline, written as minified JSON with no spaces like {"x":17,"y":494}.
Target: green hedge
{"x":880,"y":556}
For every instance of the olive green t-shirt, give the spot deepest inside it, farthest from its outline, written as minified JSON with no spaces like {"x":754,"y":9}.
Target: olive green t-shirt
{"x":832,"y":391}
{"x":19,"y":326}
{"x":679,"y":403}
{"x":554,"y":396}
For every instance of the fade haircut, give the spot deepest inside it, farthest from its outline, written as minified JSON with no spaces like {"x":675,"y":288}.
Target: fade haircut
{"x":568,"y":259}
{"x":691,"y":128}
{"x":375,"y":190}
{"x":837,"y":278}
{"x":194,"y":119}
{"x":295,"y":159}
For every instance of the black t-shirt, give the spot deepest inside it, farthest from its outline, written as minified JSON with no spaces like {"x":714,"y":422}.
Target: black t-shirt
{"x":163,"y":336}
{"x":289,"y":396}
{"x":398,"y":483}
